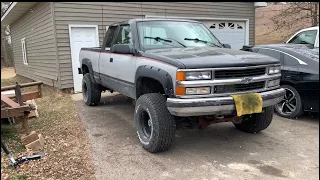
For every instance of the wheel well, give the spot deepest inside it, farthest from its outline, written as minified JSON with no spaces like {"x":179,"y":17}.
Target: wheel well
{"x":288,"y":83}
{"x":85,"y":69}
{"x":148,"y":85}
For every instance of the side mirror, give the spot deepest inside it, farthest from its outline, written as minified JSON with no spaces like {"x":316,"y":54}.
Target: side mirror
{"x":226,"y":46}
{"x":122,"y":49}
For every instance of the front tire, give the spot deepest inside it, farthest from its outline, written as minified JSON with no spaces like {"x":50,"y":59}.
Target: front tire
{"x":154,"y":123}
{"x":90,"y":90}
{"x":254,"y":123}
{"x":291,"y":105}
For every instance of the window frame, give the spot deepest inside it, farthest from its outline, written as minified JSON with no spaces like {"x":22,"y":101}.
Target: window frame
{"x":24,"y":51}
{"x":107,"y":35}
{"x":118,"y":31}
{"x":300,"y":33}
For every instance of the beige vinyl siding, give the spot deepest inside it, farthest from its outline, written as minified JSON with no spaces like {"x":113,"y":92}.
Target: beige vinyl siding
{"x":36,"y":26}
{"x":90,"y":13}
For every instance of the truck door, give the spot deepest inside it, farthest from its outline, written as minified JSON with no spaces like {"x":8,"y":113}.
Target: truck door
{"x":122,"y":66}
{"x":104,"y":59}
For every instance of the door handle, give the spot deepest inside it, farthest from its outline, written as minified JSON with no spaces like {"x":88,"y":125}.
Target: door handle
{"x":111,"y":59}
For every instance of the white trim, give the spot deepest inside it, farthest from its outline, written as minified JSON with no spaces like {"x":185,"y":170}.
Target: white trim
{"x":260,"y":4}
{"x":209,"y":18}
{"x":24,"y":51}
{"x":8,"y":10}
{"x":299,"y":60}
{"x":107,"y":28}
{"x":70,"y":39}
{"x":82,"y":25}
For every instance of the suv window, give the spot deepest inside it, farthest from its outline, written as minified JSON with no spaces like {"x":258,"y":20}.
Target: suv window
{"x":272,"y":53}
{"x":124,"y":35}
{"x":305,"y":37}
{"x":111,"y":32}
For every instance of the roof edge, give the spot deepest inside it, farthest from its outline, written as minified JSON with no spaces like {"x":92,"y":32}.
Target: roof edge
{"x":12,"y":5}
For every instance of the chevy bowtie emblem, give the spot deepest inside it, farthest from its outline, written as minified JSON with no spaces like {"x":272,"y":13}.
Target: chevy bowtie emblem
{"x":246,"y":80}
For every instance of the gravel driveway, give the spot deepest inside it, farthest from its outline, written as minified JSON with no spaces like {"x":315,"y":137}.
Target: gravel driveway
{"x":288,"y":149}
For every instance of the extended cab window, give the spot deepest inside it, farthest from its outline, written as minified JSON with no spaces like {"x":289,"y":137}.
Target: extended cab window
{"x":124,"y":35}
{"x":110,"y":34}
{"x":305,"y":37}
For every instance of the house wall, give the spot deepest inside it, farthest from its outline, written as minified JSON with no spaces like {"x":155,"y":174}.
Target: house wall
{"x":90,"y":13}
{"x":36,"y":26}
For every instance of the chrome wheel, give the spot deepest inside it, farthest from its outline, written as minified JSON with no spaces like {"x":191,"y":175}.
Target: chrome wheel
{"x":289,"y":103}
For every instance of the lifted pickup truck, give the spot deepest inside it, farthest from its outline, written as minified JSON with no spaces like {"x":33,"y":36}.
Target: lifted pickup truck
{"x":177,"y":71}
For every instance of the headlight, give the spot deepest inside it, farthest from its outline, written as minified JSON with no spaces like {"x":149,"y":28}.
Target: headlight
{"x":274,"y":70}
{"x":198,"y":75}
{"x":273,"y":83}
{"x":197,"y":90}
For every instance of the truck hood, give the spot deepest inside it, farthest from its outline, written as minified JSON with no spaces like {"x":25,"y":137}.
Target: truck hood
{"x":208,"y":57}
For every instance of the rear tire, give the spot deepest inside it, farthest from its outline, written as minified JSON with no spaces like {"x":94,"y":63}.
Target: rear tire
{"x":90,"y":90}
{"x":154,"y":123}
{"x":254,"y":123}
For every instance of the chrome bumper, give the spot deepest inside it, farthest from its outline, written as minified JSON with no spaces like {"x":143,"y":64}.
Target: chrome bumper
{"x":216,"y":105}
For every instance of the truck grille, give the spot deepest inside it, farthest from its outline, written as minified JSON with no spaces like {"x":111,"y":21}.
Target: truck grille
{"x":238,"y":87}
{"x":223,"y":74}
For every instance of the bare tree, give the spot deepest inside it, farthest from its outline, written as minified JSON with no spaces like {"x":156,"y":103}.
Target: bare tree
{"x":6,"y":47}
{"x":296,"y":16}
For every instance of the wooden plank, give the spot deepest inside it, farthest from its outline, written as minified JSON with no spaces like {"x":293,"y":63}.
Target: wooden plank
{"x":15,"y":112}
{"x":5,"y":99}
{"x":28,"y":96}
{"x":21,"y":85}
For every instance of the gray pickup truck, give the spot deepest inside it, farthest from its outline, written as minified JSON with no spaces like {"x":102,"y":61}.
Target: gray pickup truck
{"x":177,"y":72}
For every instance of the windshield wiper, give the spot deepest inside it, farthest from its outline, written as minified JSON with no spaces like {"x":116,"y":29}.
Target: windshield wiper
{"x":165,"y":40}
{"x":203,"y":41}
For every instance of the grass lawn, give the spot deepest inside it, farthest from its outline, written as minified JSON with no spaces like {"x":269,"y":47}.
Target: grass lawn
{"x":68,"y":151}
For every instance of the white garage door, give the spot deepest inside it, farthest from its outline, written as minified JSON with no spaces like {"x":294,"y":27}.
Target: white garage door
{"x":81,"y":37}
{"x":229,"y":32}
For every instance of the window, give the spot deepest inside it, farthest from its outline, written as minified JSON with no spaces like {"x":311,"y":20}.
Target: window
{"x":24,"y":51}
{"x":274,"y":54}
{"x":305,"y":37}
{"x":178,"y":32}
{"x":154,"y":32}
{"x":110,"y":34}
{"x":124,"y":35}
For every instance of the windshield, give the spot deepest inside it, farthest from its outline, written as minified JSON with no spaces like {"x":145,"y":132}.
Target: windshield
{"x":156,"y":35}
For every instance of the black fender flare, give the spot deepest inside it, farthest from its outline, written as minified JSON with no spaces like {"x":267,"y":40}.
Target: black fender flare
{"x":88,"y":63}
{"x":157,"y":74}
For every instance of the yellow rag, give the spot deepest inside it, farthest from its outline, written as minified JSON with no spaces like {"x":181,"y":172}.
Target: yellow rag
{"x":248,"y":103}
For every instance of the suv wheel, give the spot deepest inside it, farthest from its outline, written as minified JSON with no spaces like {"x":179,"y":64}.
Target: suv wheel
{"x":291,"y":105}
{"x":154,"y":123}
{"x":254,"y":123}
{"x":90,"y":91}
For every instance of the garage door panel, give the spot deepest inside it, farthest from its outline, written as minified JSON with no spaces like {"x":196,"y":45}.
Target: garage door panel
{"x":229,"y":32}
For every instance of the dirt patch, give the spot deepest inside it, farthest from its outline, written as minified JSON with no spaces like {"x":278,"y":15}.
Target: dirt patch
{"x":7,"y":73}
{"x":68,"y":151}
